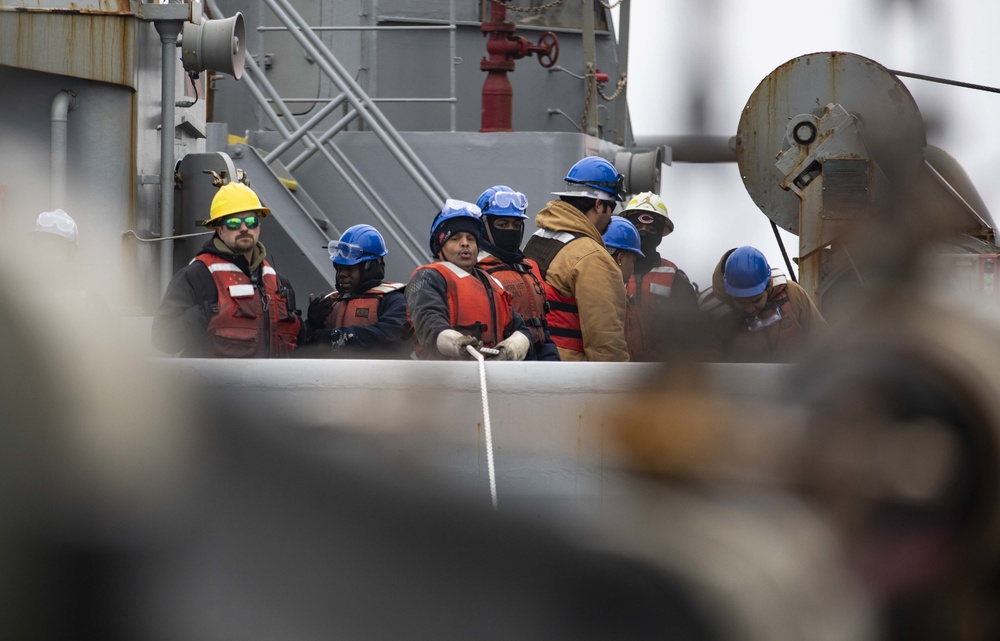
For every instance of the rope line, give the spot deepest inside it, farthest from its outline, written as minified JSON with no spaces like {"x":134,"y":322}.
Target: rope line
{"x":486,"y":422}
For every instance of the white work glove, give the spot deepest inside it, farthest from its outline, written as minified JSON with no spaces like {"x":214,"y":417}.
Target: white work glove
{"x":452,"y":344}
{"x":514,"y":348}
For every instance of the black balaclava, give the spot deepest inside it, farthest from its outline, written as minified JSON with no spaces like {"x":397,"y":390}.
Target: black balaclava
{"x":505,"y":244}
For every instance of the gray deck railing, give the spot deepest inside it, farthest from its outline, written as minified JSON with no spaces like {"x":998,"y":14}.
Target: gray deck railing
{"x":361,"y":106}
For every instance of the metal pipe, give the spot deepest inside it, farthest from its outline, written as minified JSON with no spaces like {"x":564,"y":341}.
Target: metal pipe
{"x":590,"y":65}
{"x":693,"y":148}
{"x":168,"y":30}
{"x":64,"y":101}
{"x":368,"y":28}
{"x":361,"y":102}
{"x":451,"y":63}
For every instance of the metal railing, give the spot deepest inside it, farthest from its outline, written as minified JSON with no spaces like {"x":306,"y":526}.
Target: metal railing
{"x":360,"y":105}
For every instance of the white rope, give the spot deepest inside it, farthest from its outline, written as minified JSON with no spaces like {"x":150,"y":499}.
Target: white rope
{"x":486,"y":421}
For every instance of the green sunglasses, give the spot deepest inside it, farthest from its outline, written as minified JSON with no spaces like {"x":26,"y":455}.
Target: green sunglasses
{"x":236,"y":222}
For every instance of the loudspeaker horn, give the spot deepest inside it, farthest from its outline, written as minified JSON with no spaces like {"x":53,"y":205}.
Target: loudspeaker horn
{"x":215,"y":45}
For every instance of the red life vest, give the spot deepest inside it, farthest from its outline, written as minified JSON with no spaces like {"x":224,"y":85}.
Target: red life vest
{"x":649,"y":294}
{"x":471,"y":309}
{"x":773,"y":343}
{"x":564,"y":320}
{"x":523,"y":282}
{"x":251,"y":321}
{"x":563,"y":317}
{"x":360,"y":309}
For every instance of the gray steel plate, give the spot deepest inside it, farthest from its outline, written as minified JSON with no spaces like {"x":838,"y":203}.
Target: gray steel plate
{"x":892,"y":126}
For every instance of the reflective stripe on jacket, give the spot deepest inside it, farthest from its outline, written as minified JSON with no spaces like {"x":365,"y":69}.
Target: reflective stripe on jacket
{"x":564,"y":320}
{"x":252,"y":320}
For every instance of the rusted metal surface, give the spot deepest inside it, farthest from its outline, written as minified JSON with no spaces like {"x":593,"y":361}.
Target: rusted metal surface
{"x":84,"y":6}
{"x":94,"y":46}
{"x":891,"y":123}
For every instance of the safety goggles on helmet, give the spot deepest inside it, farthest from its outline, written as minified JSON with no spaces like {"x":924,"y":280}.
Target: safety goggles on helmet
{"x":235,"y":222}
{"x":616,"y":189}
{"x":345,"y":251}
{"x":507,"y":199}
{"x":459,"y":207}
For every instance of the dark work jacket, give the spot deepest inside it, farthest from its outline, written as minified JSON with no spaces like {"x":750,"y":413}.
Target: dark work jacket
{"x":181,"y":322}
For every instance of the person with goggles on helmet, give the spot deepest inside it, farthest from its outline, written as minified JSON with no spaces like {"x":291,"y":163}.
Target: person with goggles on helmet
{"x":583,"y":285}
{"x":622,"y":241}
{"x":664,"y":296}
{"x":500,"y":255}
{"x":229,"y":302}
{"x":762,"y":316}
{"x":453,"y":304}
{"x":363,"y":313}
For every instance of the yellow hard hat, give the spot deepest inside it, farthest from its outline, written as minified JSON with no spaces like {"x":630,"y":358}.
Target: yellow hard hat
{"x":234,"y":198}
{"x":649,"y":202}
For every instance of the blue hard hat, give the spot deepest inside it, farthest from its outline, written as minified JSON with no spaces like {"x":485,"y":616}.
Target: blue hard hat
{"x":501,"y":200}
{"x":621,"y":234}
{"x":359,"y":243}
{"x":594,"y":177}
{"x":746,"y":273}
{"x":457,"y":215}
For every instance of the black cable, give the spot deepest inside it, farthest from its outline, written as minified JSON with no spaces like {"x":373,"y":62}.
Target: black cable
{"x":784,"y":254}
{"x":945,"y":81}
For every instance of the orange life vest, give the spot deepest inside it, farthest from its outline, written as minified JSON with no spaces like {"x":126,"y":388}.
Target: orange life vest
{"x":359,"y":309}
{"x":523,"y":282}
{"x":473,"y":308}
{"x":252,"y":321}
{"x":564,"y":320}
{"x":647,"y":294}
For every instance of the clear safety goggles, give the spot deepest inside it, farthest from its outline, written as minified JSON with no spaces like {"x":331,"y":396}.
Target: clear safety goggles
{"x":507,"y":199}
{"x":596,"y":189}
{"x":453,"y":206}
{"x":345,"y":251}
{"x":767,"y":317}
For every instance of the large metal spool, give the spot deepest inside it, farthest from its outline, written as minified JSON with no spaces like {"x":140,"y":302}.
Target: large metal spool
{"x":890,"y":120}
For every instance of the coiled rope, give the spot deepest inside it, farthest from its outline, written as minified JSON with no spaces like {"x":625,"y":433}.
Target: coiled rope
{"x":486,"y":422}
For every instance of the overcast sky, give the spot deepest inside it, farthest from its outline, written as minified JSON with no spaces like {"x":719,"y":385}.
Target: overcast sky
{"x":731,"y":45}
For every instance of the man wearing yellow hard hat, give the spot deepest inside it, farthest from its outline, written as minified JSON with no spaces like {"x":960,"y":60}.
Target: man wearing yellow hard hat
{"x":229,"y":302}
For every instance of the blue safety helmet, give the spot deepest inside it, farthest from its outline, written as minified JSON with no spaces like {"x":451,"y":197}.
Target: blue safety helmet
{"x":359,"y":243}
{"x":594,"y":177}
{"x":501,"y":200}
{"x":746,"y":273}
{"x":457,"y":215}
{"x":622,"y":234}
